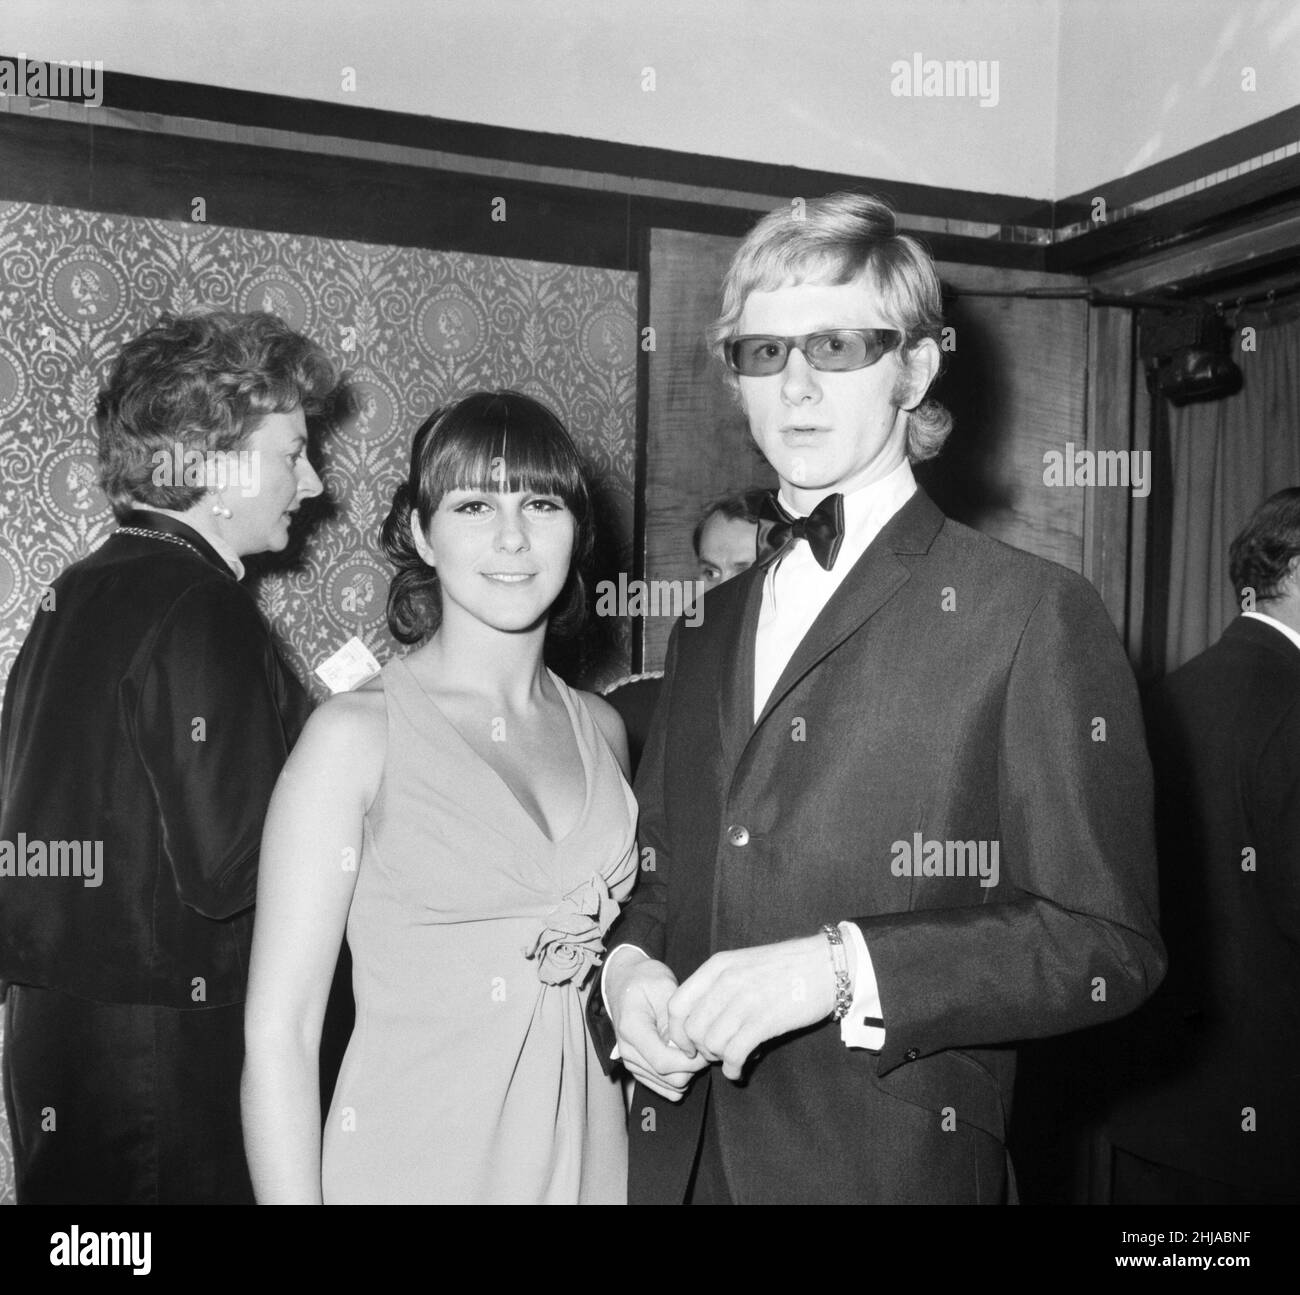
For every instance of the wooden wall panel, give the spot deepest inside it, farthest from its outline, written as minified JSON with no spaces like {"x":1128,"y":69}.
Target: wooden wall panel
{"x":1110,"y":511}
{"x":1016,"y":385}
{"x":697,"y":442}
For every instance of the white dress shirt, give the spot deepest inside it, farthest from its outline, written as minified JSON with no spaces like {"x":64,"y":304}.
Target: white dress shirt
{"x":795,"y":591}
{"x":1276,"y":624}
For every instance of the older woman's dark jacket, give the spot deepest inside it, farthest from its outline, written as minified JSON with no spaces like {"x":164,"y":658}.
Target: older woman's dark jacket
{"x":148,"y":709}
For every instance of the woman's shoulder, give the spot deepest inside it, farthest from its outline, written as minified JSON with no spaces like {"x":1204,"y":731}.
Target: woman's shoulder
{"x":353,"y":721}
{"x":608,"y":721}
{"x":344,"y":745}
{"x":606,"y":717}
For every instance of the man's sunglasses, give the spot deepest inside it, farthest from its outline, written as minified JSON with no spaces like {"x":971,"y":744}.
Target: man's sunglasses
{"x":836,"y":351}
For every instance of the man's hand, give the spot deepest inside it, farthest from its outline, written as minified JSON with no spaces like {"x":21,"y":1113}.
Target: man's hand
{"x":744,"y":997}
{"x":637,"y":990}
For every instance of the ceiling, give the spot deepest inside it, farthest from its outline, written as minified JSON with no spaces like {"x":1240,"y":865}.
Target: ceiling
{"x":1074,"y":93}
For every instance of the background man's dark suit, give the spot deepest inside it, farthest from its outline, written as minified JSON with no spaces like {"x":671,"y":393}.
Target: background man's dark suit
{"x":896,"y":716}
{"x":1224,"y":1032}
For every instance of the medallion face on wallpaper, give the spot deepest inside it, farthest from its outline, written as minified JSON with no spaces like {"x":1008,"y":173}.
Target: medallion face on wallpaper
{"x":451,"y":327}
{"x":357,"y":594}
{"x":375,"y":409}
{"x":609,"y":342}
{"x":72,"y":485}
{"x":12,"y":385}
{"x":85,"y":289}
{"x":276,"y":294}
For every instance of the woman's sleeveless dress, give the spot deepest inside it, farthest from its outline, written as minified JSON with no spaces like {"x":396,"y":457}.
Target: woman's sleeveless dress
{"x":470,"y":1076}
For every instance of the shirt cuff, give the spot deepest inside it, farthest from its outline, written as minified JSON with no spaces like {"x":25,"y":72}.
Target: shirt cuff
{"x":863,"y":1026}
{"x":609,"y":957}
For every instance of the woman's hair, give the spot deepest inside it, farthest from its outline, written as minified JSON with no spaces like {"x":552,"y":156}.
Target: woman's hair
{"x":742,"y":507}
{"x":1261,"y":557}
{"x":836,"y":240}
{"x":199,"y":383}
{"x":499,"y":441}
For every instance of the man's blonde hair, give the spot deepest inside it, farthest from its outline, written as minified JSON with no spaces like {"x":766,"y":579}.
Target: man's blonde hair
{"x":834,"y":240}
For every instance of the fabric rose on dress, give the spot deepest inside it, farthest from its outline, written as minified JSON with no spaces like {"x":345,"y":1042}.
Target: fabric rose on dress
{"x":572,"y":941}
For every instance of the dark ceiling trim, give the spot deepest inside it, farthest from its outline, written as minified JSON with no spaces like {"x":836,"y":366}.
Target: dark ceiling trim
{"x":157,"y":174}
{"x":472,"y":139}
{"x":1195,"y":216}
{"x":571,"y":176}
{"x":1278,"y":132}
{"x":1260,"y":250}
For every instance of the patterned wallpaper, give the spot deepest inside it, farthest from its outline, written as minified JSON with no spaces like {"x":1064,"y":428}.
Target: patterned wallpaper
{"x":415,"y":328}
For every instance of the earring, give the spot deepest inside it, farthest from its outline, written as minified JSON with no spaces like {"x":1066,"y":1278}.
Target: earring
{"x":219,"y":511}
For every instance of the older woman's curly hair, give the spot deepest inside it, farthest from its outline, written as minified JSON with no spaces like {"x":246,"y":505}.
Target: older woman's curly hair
{"x":835,"y":240}
{"x":200,"y":383}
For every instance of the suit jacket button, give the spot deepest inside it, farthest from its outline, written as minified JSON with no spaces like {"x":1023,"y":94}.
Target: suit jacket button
{"x":911,"y":1054}
{"x":738,"y":835}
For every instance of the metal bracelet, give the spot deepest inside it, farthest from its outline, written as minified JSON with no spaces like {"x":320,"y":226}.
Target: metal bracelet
{"x":840,"y":963}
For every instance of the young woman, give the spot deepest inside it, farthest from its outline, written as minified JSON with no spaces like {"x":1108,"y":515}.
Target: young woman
{"x":466,"y":815}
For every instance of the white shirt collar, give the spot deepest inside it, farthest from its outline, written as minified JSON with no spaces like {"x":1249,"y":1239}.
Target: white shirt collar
{"x":796,"y":589}
{"x":866,"y":511}
{"x":223,"y":550}
{"x":1276,"y":624}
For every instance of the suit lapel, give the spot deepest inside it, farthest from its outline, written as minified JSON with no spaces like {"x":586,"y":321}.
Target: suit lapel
{"x":875,"y":578}
{"x":736,"y":665}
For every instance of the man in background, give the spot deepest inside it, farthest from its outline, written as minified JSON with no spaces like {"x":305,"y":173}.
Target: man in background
{"x":727,"y":540}
{"x":727,"y":536}
{"x":1218,"y":1052}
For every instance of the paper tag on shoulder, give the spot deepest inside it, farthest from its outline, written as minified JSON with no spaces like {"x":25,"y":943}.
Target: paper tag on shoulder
{"x":351,"y":665}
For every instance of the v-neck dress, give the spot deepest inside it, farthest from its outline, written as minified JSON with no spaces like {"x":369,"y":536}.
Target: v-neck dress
{"x":470,"y":1076}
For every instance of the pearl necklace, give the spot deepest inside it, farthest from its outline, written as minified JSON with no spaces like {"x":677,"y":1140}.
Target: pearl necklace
{"x":156,"y":535}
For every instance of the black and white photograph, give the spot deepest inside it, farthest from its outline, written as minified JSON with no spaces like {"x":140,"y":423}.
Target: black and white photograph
{"x":694,"y":603}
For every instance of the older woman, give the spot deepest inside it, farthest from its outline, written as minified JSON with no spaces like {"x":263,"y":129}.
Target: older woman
{"x":145,"y":722}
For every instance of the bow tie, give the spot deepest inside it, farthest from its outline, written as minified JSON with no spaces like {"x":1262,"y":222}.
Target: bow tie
{"x":823,"y":528}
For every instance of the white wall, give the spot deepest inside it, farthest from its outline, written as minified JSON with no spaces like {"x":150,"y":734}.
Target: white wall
{"x":1162,"y":76}
{"x":1086,"y":88}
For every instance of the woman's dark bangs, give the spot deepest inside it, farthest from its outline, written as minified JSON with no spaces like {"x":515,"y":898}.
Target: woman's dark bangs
{"x":519,"y":457}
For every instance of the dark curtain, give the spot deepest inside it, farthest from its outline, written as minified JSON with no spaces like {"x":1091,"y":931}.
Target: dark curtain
{"x":1226,"y":457}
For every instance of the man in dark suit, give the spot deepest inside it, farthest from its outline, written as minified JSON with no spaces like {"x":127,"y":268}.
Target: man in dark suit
{"x":895,"y":802}
{"x":1216,"y":1120}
